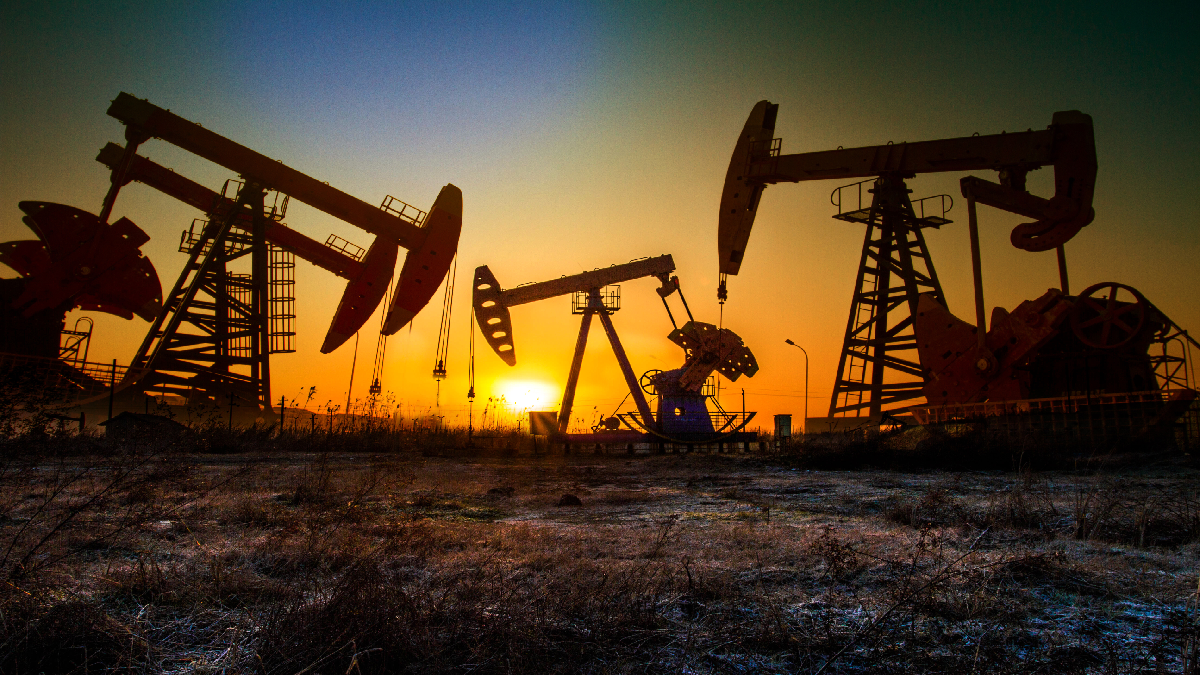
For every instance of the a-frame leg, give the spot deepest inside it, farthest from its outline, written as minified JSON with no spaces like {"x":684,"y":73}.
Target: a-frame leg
{"x":564,"y":413}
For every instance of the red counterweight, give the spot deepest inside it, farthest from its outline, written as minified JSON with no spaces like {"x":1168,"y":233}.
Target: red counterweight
{"x":81,"y":262}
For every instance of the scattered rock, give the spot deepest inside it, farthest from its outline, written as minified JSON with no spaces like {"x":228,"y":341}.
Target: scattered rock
{"x":501,"y":492}
{"x":569,"y":500}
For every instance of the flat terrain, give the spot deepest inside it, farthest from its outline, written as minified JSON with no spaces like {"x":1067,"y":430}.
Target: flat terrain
{"x":338,"y":563}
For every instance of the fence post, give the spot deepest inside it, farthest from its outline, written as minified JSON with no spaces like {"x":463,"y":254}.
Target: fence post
{"x":112,"y":388}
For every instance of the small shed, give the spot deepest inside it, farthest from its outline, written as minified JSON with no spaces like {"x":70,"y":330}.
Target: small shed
{"x":131,"y":426}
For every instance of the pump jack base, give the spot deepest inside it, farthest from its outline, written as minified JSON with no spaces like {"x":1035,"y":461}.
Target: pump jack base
{"x":633,"y":439}
{"x":732,"y":431}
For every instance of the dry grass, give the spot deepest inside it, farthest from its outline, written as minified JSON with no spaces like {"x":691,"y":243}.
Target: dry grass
{"x":326,"y":561}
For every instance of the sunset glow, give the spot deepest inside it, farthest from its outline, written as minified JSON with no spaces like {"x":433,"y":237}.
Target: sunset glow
{"x":529,"y":394}
{"x":586,"y":136}
{"x":432,"y":336}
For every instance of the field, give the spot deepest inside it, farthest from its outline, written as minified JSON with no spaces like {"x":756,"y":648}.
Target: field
{"x":311,"y":558}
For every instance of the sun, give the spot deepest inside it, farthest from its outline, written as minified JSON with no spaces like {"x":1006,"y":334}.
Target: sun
{"x":531,"y":394}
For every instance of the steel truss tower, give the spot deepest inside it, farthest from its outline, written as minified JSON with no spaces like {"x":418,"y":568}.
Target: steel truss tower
{"x":879,"y":367}
{"x":213,"y":339}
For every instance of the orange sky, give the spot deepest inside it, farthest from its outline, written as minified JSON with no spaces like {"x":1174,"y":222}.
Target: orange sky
{"x":583,"y":138}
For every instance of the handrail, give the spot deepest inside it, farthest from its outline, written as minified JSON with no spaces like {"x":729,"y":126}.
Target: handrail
{"x":837,"y":192}
{"x":86,"y":381}
{"x":404,"y":211}
{"x":965,"y":411}
{"x":943,"y":198}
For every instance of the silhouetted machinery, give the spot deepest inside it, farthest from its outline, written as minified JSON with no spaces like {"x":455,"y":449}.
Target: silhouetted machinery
{"x":78,"y":261}
{"x":212,"y":338}
{"x":683,"y":395}
{"x":902,"y":343}
{"x":1101,"y":359}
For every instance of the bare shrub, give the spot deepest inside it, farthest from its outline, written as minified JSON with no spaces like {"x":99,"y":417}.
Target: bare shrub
{"x":253,"y":509}
{"x":1111,"y":509}
{"x":1189,"y":620}
{"x":840,"y":560}
{"x":1170,"y":516}
{"x":936,"y":507}
{"x":93,"y":501}
{"x":406,"y":565}
{"x":314,"y":482}
{"x":64,"y":637}
{"x":465,"y":611}
{"x":1022,"y":505}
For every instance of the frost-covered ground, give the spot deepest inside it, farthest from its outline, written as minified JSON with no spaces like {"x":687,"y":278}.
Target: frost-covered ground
{"x":691,"y":564}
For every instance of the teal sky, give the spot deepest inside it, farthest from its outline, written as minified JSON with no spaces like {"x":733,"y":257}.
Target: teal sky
{"x":587,"y":135}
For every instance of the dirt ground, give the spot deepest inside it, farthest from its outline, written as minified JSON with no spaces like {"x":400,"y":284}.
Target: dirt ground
{"x":324,"y":563}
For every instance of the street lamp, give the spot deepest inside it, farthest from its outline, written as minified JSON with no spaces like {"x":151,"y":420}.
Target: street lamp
{"x":805,"y":382}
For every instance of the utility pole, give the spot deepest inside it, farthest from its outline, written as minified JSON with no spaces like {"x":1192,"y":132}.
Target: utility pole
{"x":353,"y":364}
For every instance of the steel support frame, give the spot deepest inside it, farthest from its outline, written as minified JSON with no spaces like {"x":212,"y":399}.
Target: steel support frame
{"x":878,"y":368}
{"x":193,"y":347}
{"x":564,"y":412}
{"x":596,"y":307}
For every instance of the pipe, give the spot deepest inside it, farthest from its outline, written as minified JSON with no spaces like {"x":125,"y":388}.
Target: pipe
{"x":976,"y":274}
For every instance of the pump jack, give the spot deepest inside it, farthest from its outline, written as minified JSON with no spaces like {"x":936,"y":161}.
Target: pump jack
{"x":230,"y":314}
{"x":683,"y":416}
{"x":876,"y":368}
{"x":1088,"y":356}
